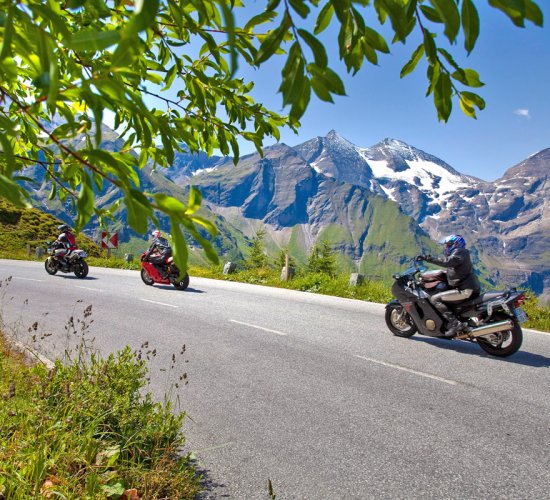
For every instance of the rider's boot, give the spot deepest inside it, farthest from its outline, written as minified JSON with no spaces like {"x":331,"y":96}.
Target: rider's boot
{"x":454,"y":326}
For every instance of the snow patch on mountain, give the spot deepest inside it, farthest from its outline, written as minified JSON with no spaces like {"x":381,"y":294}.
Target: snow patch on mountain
{"x":203,"y":171}
{"x":427,"y":176}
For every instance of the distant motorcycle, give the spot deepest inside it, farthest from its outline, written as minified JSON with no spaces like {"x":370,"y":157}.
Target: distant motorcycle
{"x":60,"y":259}
{"x":170,"y":274}
{"x":494,"y":318}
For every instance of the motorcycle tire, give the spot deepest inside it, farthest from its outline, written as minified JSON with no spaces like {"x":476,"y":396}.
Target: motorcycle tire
{"x":503,"y":344}
{"x":81,"y":269}
{"x":51,"y":266}
{"x":181,"y":284}
{"x":146,"y":278}
{"x":399,"y":322}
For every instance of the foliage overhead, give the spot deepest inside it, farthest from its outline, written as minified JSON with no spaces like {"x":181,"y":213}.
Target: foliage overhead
{"x":167,"y":74}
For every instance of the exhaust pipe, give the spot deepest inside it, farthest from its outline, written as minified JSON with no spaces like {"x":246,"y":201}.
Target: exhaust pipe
{"x":487,"y":329}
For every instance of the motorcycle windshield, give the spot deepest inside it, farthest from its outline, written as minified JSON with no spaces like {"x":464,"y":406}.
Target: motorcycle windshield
{"x":413,"y":269}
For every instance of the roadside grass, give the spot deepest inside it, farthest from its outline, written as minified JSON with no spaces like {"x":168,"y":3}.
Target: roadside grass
{"x":86,"y":428}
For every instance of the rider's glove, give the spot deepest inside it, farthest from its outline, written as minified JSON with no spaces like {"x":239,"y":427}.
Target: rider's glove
{"x":420,"y":258}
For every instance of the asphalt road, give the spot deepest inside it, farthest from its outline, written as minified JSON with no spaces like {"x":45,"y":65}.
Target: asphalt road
{"x":310,"y":392}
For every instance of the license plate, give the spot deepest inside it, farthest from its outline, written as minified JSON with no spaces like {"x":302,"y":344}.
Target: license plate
{"x":520,"y":315}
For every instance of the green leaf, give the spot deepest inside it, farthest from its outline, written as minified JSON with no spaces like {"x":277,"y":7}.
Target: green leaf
{"x":473,"y":99}
{"x":273,"y":41}
{"x":84,"y":202}
{"x":170,"y":205}
{"x":415,"y":58}
{"x":430,"y":48}
{"x":467,"y":108}
{"x":448,"y":11}
{"x":443,"y":96}
{"x":195,"y":200}
{"x":468,"y":77}
{"x":262,"y":18}
{"x":376,"y":40}
{"x":181,"y":252}
{"x":9,"y":30}
{"x":324,"y":18}
{"x":7,"y":154}
{"x":533,"y":13}
{"x":139,"y":209}
{"x":328,"y":78}
{"x":470,"y":24}
{"x":519,"y":10}
{"x":91,"y":39}
{"x":208,"y":225}
{"x":318,"y":49}
{"x":13,"y":192}
{"x":230,"y":30}
{"x":431,"y":14}
{"x":300,"y":7}
{"x":145,"y":13}
{"x":203,"y":242}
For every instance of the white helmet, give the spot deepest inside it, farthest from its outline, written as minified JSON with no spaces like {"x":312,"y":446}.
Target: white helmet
{"x":156,"y":233}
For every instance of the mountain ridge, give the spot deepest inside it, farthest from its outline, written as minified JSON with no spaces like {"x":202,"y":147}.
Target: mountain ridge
{"x":328,"y":187}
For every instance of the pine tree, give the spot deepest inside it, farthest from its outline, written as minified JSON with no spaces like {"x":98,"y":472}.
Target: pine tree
{"x":257,"y":257}
{"x":322,"y":259}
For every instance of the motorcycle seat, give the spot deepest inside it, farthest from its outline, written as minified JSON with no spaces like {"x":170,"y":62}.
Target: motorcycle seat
{"x":435,"y":275}
{"x":484,"y":297}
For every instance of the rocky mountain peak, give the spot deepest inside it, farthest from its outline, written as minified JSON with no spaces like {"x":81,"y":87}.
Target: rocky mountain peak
{"x":537,"y":165}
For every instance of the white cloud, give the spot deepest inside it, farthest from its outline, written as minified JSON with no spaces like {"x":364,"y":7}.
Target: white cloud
{"x":522,"y":112}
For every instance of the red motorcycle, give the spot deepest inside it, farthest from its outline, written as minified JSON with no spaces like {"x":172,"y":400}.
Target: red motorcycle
{"x":170,"y":273}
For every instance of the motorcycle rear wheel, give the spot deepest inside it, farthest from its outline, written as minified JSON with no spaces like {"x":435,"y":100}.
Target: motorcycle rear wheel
{"x":399,"y":322}
{"x":51,"y":266}
{"x":146,"y":277}
{"x":81,"y":269}
{"x":502,"y":344}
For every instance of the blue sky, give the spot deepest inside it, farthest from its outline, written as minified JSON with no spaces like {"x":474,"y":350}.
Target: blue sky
{"x":514,"y":64}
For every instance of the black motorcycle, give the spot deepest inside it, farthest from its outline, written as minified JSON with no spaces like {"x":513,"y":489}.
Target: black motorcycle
{"x":493,"y":318}
{"x":60,"y":260}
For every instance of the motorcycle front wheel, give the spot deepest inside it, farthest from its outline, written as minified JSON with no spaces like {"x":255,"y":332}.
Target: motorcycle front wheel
{"x":81,"y":269}
{"x":399,"y":322}
{"x":146,"y":277}
{"x":502,"y":344}
{"x":51,"y":266}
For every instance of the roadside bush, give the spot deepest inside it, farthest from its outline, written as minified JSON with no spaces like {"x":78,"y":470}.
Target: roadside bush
{"x":86,"y":430}
{"x":539,"y":316}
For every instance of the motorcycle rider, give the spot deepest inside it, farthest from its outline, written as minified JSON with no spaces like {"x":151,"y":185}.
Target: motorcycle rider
{"x":158,"y":252}
{"x":460,"y":275}
{"x":65,"y":242}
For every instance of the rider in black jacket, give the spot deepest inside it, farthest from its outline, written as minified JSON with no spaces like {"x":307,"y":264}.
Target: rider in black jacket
{"x":158,"y":252}
{"x":460,"y":275}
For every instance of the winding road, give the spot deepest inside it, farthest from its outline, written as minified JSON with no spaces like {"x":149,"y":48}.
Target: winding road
{"x":310,"y":392}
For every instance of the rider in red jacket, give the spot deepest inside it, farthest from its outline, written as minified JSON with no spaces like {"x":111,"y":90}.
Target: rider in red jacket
{"x":65,"y":241}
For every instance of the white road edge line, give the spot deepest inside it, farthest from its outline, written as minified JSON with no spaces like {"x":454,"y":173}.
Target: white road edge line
{"x":409,"y":370}
{"x":159,"y":303}
{"x":258,"y":327}
{"x":88,"y":288}
{"x":26,"y":279}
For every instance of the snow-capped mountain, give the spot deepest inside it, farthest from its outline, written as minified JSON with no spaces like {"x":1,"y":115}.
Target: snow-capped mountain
{"x":506,"y":221}
{"x":416,"y":180}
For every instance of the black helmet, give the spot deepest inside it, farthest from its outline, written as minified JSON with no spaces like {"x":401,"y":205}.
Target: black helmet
{"x":63,"y":228}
